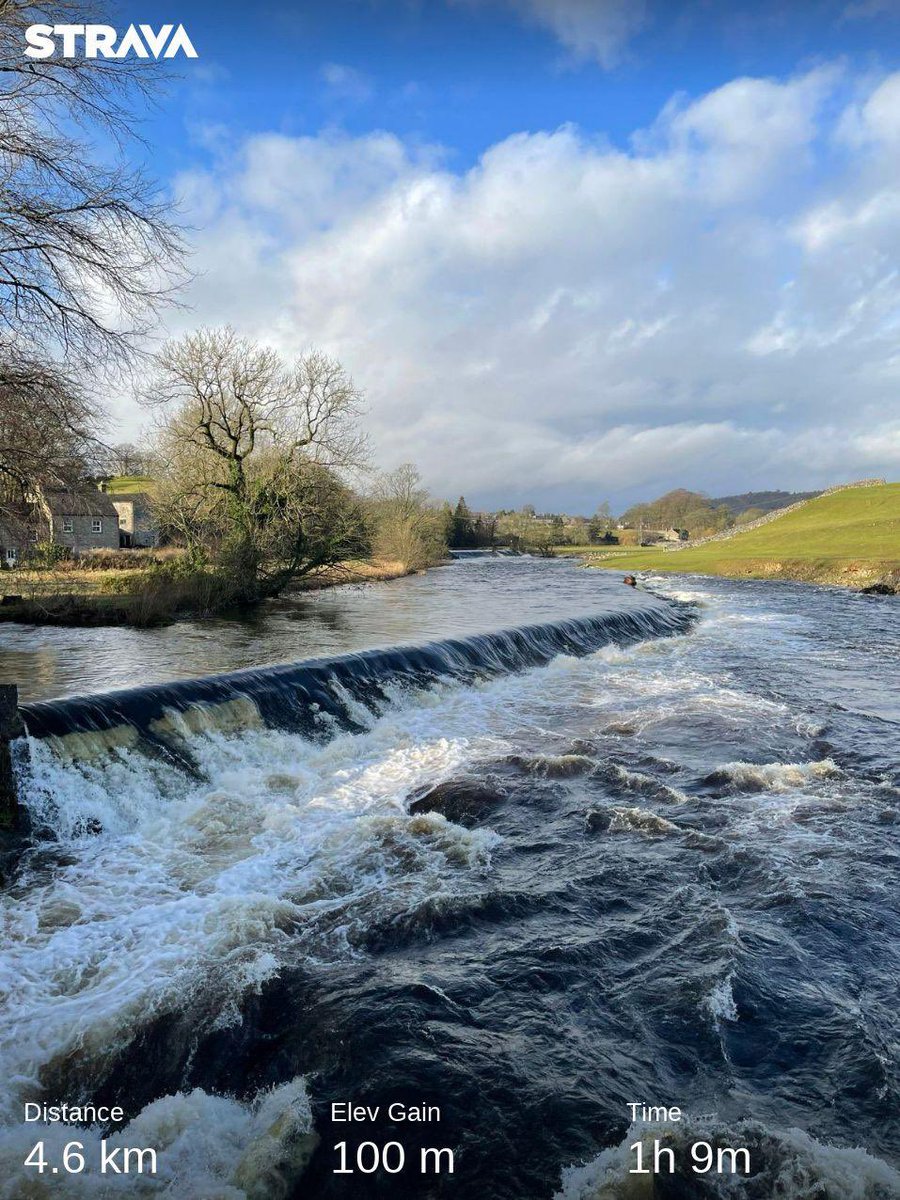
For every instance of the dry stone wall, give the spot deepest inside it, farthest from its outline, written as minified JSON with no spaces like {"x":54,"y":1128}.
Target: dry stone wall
{"x":769,"y":517}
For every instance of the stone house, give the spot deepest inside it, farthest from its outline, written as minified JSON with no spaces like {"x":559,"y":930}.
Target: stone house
{"x":652,"y":537}
{"x":10,"y":549}
{"x":81,"y":520}
{"x":15,"y":535}
{"x":137,"y":524}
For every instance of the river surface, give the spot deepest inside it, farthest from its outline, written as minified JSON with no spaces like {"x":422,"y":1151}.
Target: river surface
{"x":476,"y":594}
{"x":663,"y":872}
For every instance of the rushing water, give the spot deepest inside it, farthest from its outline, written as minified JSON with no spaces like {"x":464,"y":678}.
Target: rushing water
{"x":665,"y":871}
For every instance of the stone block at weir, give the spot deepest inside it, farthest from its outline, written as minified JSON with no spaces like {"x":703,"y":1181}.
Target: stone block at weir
{"x":11,"y":727}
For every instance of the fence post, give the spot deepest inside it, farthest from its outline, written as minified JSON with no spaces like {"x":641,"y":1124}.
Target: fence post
{"x":11,"y":727}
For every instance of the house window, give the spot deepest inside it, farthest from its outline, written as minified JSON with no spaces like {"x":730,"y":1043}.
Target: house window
{"x":97,"y":525}
{"x":123,"y":522}
{"x":68,"y":525}
{"x":12,"y":554}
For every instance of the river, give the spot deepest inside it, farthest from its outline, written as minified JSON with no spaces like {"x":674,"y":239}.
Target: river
{"x":647,"y":851}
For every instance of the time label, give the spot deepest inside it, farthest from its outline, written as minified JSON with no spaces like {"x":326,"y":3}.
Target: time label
{"x":704,"y":1159}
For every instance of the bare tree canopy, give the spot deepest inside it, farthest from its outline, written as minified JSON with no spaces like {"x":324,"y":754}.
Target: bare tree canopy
{"x":125,"y":458}
{"x":229,"y":397}
{"x":409,"y":529}
{"x":47,"y":430}
{"x":253,"y":447}
{"x":87,"y":251}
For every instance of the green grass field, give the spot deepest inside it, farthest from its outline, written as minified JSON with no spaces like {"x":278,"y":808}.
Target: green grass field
{"x":130,"y":483}
{"x":850,"y":537}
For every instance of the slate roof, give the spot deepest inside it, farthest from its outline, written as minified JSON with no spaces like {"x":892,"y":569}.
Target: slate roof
{"x":81,"y":504}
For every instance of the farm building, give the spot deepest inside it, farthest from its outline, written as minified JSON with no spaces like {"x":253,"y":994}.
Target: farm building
{"x":81,"y":520}
{"x":15,"y":535}
{"x":137,"y":524}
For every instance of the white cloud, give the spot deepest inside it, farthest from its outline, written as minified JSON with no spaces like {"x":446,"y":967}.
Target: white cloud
{"x":874,"y":118}
{"x":346,"y":83}
{"x":590,"y":30}
{"x":566,"y":321}
{"x":739,"y":136}
{"x":862,"y":10}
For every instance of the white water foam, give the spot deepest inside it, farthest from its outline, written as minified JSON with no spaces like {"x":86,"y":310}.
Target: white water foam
{"x":637,"y":781}
{"x":196,"y":892}
{"x":721,"y":1003}
{"x":640,"y":820}
{"x":778,"y":777}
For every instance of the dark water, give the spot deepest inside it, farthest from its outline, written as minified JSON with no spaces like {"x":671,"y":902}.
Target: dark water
{"x":469,"y":597}
{"x":665,"y":872}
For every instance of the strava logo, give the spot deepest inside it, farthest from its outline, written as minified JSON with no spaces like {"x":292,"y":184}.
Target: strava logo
{"x":102,"y":41}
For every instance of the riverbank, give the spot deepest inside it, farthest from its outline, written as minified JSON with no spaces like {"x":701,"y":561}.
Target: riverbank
{"x":850,"y":573}
{"x":90,"y":599}
{"x":847,"y":538}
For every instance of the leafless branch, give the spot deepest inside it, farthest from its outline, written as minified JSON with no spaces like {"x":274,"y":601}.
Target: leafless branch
{"x":88,"y":252}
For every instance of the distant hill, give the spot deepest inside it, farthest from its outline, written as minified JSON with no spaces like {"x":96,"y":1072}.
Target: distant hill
{"x":766,"y":501}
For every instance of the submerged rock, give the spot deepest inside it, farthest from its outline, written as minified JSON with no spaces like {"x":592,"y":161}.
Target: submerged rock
{"x":460,"y":801}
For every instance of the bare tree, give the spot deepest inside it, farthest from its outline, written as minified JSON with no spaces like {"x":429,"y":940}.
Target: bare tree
{"x":402,"y":490}
{"x":409,"y":529}
{"x":228,"y":396}
{"x":47,"y":432}
{"x":125,"y":458}
{"x":253,"y":447}
{"x":87,"y":251}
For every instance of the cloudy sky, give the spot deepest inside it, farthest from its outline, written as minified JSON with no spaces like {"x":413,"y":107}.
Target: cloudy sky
{"x":572,"y":250}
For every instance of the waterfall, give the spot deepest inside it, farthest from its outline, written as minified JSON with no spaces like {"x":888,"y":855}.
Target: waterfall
{"x":315,"y":695}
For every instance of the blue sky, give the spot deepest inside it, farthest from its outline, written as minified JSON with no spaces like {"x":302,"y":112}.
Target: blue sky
{"x":464,"y":74}
{"x":571,"y":249}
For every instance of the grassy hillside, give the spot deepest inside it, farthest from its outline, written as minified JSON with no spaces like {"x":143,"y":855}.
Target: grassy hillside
{"x":130,"y":483}
{"x":850,"y":537}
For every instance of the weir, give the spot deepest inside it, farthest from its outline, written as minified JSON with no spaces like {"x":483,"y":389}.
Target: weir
{"x":11,"y":728}
{"x":314,"y":696}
